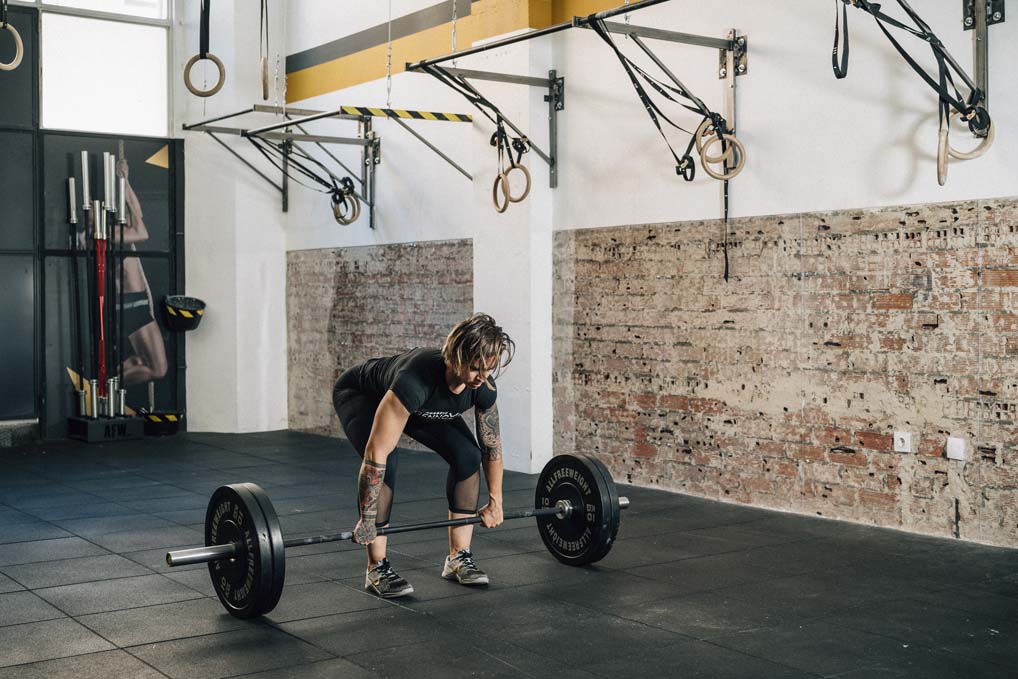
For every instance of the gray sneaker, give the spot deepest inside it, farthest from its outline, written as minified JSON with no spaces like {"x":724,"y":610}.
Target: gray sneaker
{"x":463,"y":569}
{"x":384,"y":581}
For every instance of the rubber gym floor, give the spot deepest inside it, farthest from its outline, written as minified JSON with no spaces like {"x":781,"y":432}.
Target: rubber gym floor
{"x":692,"y":588}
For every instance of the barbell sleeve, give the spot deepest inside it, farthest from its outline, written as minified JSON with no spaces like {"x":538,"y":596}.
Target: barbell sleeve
{"x":186,"y":557}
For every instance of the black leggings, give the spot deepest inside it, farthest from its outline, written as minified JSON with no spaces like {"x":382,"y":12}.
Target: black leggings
{"x":451,"y":439}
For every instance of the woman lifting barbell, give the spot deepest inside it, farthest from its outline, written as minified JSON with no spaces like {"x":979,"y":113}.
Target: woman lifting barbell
{"x":423,"y":392}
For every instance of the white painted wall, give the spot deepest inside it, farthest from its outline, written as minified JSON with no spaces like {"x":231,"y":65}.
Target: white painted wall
{"x":812,"y":142}
{"x":235,"y":242}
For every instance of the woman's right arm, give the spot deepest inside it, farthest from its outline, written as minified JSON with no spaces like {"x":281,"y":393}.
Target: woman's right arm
{"x":390,"y":419}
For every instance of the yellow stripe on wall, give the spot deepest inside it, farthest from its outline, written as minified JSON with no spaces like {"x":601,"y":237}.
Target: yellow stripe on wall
{"x":488,"y":18}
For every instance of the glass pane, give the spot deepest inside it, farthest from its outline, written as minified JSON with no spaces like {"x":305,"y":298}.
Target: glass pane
{"x":17,"y":218}
{"x":146,"y":350}
{"x":103,"y":76}
{"x":17,"y":87}
{"x":148,"y":9}
{"x":17,"y":341}
{"x":149,"y":177}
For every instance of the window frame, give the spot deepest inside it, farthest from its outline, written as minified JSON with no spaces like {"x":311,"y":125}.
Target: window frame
{"x":46,"y":7}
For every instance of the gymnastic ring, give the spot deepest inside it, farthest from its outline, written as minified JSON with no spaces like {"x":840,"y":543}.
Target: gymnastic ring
{"x":356,"y":202}
{"x":500,"y":182}
{"x":942,"y":146}
{"x":19,"y":49}
{"x":215,"y":88}
{"x":698,"y":137}
{"x":983,"y":147}
{"x":526,"y":173}
{"x":349,"y":216}
{"x":265,"y":78}
{"x":731,"y":139}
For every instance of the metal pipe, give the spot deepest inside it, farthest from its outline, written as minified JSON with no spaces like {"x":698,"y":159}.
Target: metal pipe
{"x":661,"y":34}
{"x":85,"y":198}
{"x":72,"y":202}
{"x":93,"y":386}
{"x":121,"y":201}
{"x":218,"y":118}
{"x":433,"y":148}
{"x":244,"y":160}
{"x":290,"y":123}
{"x":667,"y":72}
{"x":499,"y":77}
{"x":492,"y":45}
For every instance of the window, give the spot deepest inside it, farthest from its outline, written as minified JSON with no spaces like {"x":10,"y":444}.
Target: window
{"x":146,"y":9}
{"x":104,"y":76}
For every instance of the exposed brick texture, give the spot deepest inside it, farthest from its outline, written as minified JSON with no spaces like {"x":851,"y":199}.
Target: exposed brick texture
{"x":782,"y":387}
{"x":347,"y":305}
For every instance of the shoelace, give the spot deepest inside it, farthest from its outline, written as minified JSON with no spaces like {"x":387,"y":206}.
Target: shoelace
{"x":385,"y":571}
{"x":466,"y":558}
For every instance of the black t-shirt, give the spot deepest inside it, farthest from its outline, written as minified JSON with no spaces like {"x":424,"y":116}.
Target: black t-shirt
{"x":417,"y":377}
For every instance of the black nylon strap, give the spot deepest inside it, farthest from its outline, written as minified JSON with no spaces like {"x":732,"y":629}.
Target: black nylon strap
{"x":649,"y":106}
{"x":203,"y":40}
{"x":840,"y":71}
{"x":3,"y":13}
{"x":925,"y":33}
{"x":263,"y":30}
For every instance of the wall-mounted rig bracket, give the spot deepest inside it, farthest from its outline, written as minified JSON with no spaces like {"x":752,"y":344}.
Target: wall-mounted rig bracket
{"x":556,"y":96}
{"x":994,"y":12}
{"x":740,"y":58}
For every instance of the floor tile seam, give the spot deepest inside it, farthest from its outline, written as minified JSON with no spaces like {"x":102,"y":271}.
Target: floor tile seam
{"x":975,"y":657}
{"x":78,"y":655}
{"x":86,"y":582}
{"x":67,"y":558}
{"x":303,"y":664}
{"x":93,"y":516}
{"x":58,"y":537}
{"x":846,"y":624}
{"x":758,"y":657}
{"x":145,"y":663}
{"x":75,"y":616}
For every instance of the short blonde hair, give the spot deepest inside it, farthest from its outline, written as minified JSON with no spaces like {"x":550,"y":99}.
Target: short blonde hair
{"x":478,"y":338}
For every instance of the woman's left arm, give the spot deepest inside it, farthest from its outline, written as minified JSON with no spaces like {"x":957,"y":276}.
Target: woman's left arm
{"x":491,"y":459}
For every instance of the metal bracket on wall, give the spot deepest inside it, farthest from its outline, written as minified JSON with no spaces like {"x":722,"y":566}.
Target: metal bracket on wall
{"x":980,"y":22}
{"x":994,"y":12}
{"x":556,"y":98}
{"x":367,"y":140}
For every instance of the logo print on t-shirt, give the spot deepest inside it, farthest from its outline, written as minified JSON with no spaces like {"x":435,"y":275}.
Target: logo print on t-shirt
{"x":435,"y":415}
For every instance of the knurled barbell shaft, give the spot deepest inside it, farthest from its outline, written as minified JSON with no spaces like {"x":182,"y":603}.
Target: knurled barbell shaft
{"x":210,"y":553}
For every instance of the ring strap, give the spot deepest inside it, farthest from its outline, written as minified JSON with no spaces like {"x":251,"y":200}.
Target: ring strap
{"x":203,"y":39}
{"x":3,"y":13}
{"x":840,"y":70}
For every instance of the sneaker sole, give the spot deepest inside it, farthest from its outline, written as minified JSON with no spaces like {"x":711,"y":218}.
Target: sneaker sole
{"x":391,"y":595}
{"x":477,"y":581}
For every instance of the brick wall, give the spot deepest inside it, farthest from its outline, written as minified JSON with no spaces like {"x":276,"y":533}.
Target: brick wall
{"x":347,"y":305}
{"x":782,"y":387}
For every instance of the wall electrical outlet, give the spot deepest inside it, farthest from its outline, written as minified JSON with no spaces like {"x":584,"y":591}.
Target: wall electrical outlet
{"x":957,"y":449}
{"x":904,"y":442}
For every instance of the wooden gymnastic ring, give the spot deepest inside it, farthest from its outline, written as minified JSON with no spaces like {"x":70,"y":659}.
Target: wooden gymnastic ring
{"x":356,"y":202}
{"x":741,"y":163}
{"x":215,"y":88}
{"x":19,"y":49}
{"x":500,"y":182}
{"x":265,"y":78}
{"x":942,"y":146}
{"x":348,"y":216}
{"x":701,"y":134}
{"x":983,"y":147}
{"x":526,"y":190}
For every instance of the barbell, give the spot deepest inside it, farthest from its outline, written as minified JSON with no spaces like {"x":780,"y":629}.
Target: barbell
{"x":577,"y":508}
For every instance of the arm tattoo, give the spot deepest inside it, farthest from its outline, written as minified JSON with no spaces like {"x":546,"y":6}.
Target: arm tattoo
{"x":369,"y":485}
{"x":487,"y":433}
